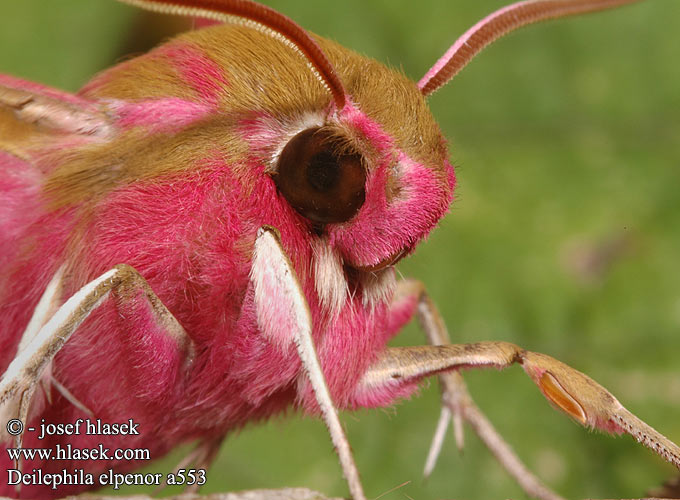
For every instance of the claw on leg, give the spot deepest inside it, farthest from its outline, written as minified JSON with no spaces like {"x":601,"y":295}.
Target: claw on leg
{"x":454,"y":396}
{"x":437,"y":441}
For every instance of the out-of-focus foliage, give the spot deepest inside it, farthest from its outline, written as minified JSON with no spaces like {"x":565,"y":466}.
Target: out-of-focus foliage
{"x":564,"y":237}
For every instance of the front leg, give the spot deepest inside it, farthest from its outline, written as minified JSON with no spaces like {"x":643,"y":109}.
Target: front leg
{"x":134,"y":300}
{"x":457,"y":404}
{"x":566,"y":389}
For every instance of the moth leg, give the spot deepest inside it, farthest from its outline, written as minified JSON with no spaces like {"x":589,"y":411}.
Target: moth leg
{"x":458,"y":405}
{"x":22,"y":376}
{"x":453,"y":386}
{"x":47,"y":306}
{"x":566,"y":389}
{"x":592,"y":405}
{"x":67,"y":395}
{"x":201,"y":457}
{"x":290,"y":321}
{"x":204,"y":455}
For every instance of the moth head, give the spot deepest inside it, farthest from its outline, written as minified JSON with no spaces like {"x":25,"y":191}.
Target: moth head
{"x":370,"y":179}
{"x":350,"y":146}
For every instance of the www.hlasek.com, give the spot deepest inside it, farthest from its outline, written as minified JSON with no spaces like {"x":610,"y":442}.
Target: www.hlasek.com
{"x":77,"y":476}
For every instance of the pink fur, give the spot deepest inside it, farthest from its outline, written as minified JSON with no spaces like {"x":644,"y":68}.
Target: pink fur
{"x":372,"y":130}
{"x":197,"y":70}
{"x":386,"y":395}
{"x":166,"y":115}
{"x":380,"y":228}
{"x":191,"y":237}
{"x":402,"y":310}
{"x":20,"y":187}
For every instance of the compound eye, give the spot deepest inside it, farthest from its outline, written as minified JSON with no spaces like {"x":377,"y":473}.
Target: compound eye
{"x":319,"y":178}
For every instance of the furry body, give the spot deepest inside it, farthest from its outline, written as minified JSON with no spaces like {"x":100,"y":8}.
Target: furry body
{"x":178,"y":189}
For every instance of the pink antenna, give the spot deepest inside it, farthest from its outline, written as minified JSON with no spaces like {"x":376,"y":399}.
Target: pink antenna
{"x":499,"y":23}
{"x":265,"y":19}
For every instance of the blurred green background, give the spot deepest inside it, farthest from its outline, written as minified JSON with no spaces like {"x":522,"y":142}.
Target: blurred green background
{"x":564,"y":237}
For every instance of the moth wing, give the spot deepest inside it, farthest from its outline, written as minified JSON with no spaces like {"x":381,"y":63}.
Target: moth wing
{"x":33,"y":115}
{"x":35,"y":120}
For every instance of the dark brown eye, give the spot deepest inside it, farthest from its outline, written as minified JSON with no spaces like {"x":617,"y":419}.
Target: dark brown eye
{"x":319,"y":179}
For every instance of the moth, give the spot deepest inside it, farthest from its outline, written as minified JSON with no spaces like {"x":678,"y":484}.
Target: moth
{"x":316,"y":230}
